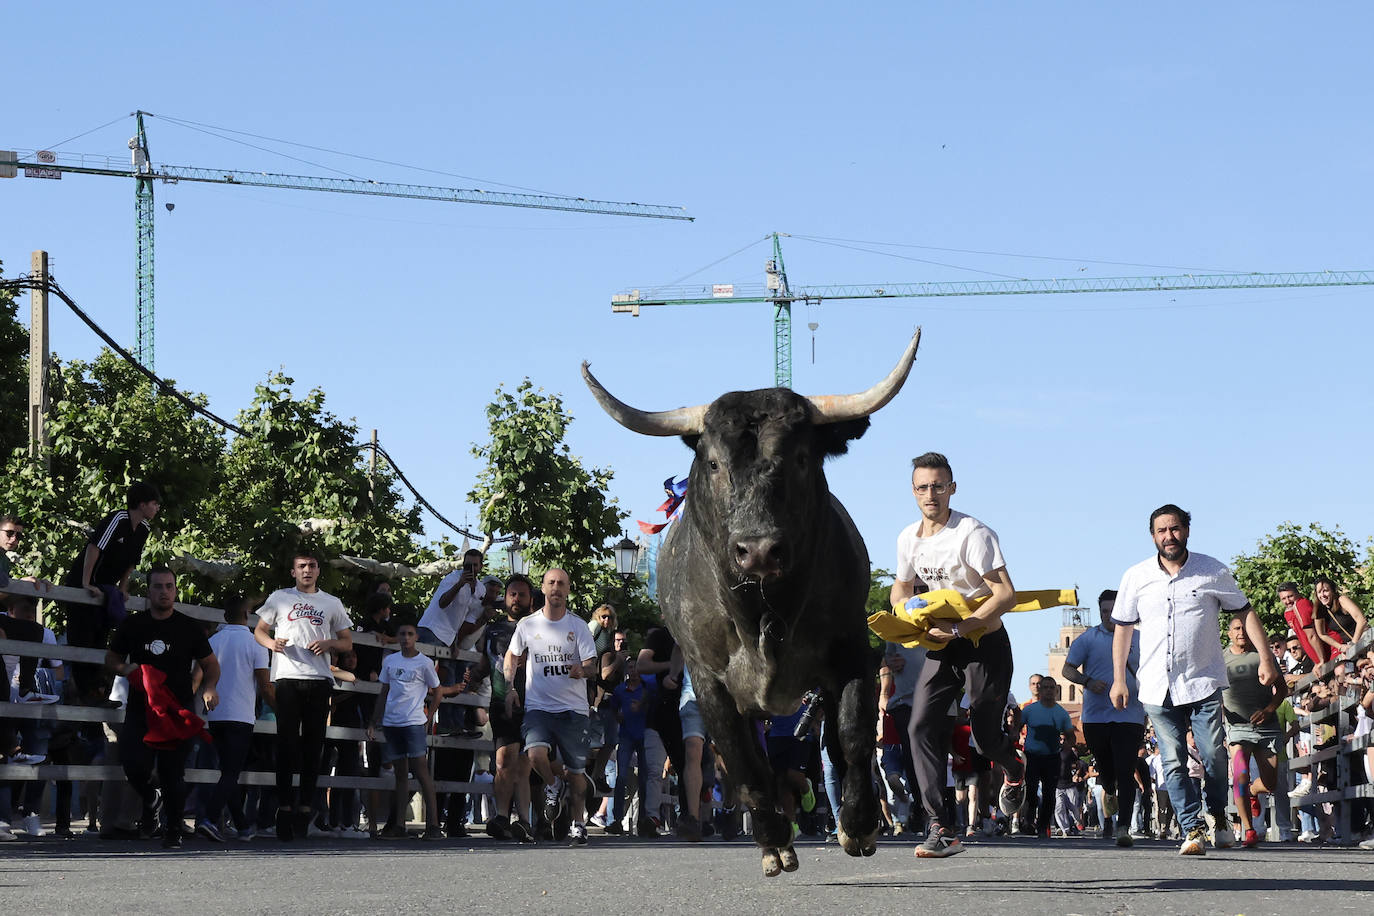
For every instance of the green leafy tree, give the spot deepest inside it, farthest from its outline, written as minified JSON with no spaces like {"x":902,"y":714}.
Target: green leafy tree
{"x":1297,"y":554}
{"x":107,"y":429}
{"x":533,"y":487}
{"x":14,"y":375}
{"x":301,"y":464}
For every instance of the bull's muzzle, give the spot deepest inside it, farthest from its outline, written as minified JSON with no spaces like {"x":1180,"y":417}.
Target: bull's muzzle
{"x":763,"y":556}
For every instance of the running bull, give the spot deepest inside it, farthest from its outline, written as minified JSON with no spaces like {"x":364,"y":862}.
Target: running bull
{"x":763,"y":583}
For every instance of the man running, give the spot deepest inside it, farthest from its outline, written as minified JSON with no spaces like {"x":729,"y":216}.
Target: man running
{"x":947,"y":549}
{"x":559,"y":656}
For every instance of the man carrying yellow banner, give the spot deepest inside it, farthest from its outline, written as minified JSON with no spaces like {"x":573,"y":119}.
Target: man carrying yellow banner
{"x":950,"y":550}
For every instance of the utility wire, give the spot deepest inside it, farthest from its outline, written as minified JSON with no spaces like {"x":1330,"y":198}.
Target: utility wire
{"x":324,"y":149}
{"x":1012,"y":254}
{"x":84,"y":133}
{"x":25,"y":281}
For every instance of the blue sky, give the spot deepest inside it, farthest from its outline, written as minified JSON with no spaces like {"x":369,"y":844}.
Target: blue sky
{"x":1176,"y":139}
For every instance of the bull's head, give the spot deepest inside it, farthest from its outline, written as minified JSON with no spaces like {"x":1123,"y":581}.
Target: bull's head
{"x":757,"y":478}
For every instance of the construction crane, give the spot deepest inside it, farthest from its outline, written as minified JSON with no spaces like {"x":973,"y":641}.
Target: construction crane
{"x":46,"y":164}
{"x":777,"y":292}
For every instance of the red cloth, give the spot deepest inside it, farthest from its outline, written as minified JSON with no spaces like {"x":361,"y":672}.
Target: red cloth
{"x":1298,"y":618}
{"x":169,"y":723}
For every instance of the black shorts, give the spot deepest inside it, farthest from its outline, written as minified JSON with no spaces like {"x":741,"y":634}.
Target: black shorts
{"x":506,"y":730}
{"x":788,"y":754}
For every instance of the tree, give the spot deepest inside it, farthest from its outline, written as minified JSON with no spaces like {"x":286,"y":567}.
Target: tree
{"x":1295,"y":554}
{"x":14,"y":375}
{"x":533,"y":487}
{"x":106,"y":430}
{"x":300,"y":463}
{"x":240,"y":500}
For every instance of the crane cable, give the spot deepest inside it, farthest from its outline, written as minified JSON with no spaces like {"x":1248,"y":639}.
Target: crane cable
{"x":25,"y":281}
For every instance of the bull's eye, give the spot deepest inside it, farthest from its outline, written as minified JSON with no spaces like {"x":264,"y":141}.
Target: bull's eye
{"x":715,"y":466}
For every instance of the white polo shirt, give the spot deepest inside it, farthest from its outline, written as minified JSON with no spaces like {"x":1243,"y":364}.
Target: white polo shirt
{"x":1178,"y":617}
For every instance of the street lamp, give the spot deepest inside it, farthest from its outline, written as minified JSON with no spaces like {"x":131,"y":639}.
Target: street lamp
{"x":515,"y":558}
{"x":626,"y":559}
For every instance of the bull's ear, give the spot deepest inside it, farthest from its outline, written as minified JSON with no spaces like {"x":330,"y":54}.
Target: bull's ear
{"x":834,"y":438}
{"x":691,"y":441}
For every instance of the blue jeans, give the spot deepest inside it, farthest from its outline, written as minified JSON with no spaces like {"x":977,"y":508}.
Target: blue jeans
{"x":1171,"y":724}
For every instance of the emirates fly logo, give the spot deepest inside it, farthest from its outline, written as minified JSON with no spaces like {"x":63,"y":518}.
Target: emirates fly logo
{"x":305,"y":611}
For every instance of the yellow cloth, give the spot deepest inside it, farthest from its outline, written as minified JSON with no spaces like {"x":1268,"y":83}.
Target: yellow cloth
{"x":909,"y":627}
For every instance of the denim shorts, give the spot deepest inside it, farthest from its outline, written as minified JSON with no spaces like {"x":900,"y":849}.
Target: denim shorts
{"x":566,"y":731}
{"x":692,"y":726}
{"x":406,"y":741}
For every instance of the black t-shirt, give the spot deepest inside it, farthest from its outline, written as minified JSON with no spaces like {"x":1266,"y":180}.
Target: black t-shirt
{"x":370,"y":657}
{"x":663,"y":716}
{"x":169,"y":645}
{"x":120,"y":545}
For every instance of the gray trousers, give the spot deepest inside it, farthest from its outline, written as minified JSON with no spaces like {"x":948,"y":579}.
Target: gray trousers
{"x":984,"y":671}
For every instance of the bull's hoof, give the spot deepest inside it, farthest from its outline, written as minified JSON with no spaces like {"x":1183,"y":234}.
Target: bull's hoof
{"x":789,"y":859}
{"x":772,"y":863}
{"x":858,"y":846}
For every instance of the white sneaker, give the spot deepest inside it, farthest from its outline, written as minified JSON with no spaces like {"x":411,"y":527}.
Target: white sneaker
{"x":577,"y":835}
{"x":1307,"y":836}
{"x":1367,"y":844}
{"x":6,"y":836}
{"x":32,"y":826}
{"x":1223,"y":838}
{"x":36,"y":697}
{"x":596,"y":820}
{"x":1304,"y":787}
{"x":352,"y":833}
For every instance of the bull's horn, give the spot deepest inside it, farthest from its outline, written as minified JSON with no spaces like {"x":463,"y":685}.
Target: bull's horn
{"x":685,"y":421}
{"x":836,"y":408}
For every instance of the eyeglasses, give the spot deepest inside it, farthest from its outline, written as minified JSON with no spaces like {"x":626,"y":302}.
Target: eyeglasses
{"x":939,"y":489}
{"x":14,"y":532}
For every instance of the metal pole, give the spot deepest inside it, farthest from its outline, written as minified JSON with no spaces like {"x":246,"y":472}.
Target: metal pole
{"x":372,"y":470}
{"x":38,"y":360}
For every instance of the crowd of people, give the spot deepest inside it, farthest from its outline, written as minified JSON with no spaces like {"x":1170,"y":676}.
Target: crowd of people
{"x":559,"y":727}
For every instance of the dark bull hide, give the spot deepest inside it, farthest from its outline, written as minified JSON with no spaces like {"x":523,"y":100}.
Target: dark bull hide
{"x":763,"y":583}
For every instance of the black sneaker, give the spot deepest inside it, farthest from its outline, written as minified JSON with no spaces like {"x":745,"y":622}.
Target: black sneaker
{"x":499,"y":828}
{"x":577,"y":835}
{"x":172,"y":839}
{"x":939,"y":844}
{"x":553,"y":802}
{"x":286,"y":825}
{"x":520,"y":832}
{"x":614,"y":829}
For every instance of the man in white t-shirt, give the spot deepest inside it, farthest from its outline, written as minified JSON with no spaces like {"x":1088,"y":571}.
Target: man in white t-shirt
{"x":559,"y":656}
{"x":243,"y":670}
{"x":301,"y":626}
{"x":947,"y":549}
{"x":456,"y":603}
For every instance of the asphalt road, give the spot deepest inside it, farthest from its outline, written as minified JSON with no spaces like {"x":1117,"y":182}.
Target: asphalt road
{"x":1011,"y":877}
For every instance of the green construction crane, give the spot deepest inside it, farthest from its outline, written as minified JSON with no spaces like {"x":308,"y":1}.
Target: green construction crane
{"x":778,"y":293}
{"x":46,"y":164}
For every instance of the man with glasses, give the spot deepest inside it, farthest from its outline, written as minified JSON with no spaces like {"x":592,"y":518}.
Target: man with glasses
{"x":1176,"y":598}
{"x":948,"y":549}
{"x":11,"y":532}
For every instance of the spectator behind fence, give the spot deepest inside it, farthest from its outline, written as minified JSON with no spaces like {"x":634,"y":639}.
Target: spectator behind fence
{"x":1297,"y":612}
{"x":244,"y":666}
{"x":154,"y":649}
{"x":114,"y":549}
{"x":409,"y":699}
{"x":12,"y":532}
{"x":302,"y":626}
{"x":1336,"y":618}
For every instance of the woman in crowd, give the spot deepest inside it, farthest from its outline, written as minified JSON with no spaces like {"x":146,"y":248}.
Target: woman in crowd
{"x":1337,"y":619}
